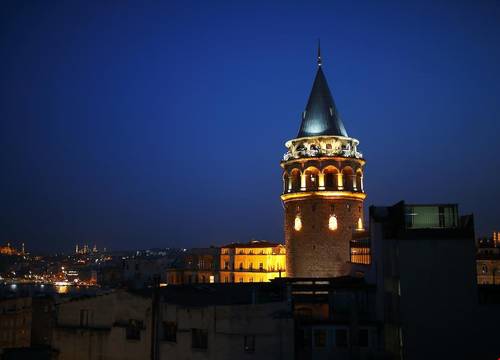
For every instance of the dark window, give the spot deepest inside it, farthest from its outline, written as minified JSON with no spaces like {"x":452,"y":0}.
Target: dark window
{"x":341,"y":337}
{"x":84,"y":318}
{"x":261,"y":266}
{"x":199,"y":339}
{"x":304,"y":339}
{"x":329,"y":180}
{"x":133,"y":330}
{"x":249,"y":343}
{"x":303,"y":312}
{"x":170,"y":331}
{"x":241,"y":266}
{"x":484,"y":269}
{"x":441,"y":216}
{"x":320,"y":338}
{"x":363,"y":338}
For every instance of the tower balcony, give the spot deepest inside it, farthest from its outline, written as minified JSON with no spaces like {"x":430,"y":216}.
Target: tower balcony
{"x":323,"y":164}
{"x":322,"y":146}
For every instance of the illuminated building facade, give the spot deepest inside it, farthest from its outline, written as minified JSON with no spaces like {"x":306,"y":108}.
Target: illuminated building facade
{"x":323,"y":189}
{"x":488,"y":260}
{"x":256,"y":261}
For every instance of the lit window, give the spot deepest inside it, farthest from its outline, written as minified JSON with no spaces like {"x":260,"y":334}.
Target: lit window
{"x":332,"y":222}
{"x":298,"y":223}
{"x":360,"y":224}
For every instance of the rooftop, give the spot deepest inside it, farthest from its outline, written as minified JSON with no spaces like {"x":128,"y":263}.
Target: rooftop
{"x":321,"y":117}
{"x":252,"y":244}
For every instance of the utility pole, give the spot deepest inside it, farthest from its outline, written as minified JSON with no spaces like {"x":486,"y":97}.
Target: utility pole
{"x":155,"y":312}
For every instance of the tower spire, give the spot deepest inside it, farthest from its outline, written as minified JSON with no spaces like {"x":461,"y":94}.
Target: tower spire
{"x":319,"y":53}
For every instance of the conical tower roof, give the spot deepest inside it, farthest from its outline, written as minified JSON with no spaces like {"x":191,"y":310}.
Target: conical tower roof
{"x":321,"y":116}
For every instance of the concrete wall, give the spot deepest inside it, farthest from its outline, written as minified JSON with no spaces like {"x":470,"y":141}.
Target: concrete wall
{"x":15,"y":322}
{"x":103,"y":336}
{"x":438,"y":298}
{"x":227,"y":326}
{"x":427,"y":295}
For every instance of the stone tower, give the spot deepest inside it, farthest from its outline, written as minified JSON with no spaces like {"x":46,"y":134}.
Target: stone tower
{"x":322,"y":189}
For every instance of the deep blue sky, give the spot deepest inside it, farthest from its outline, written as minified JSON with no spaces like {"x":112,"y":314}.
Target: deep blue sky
{"x":156,"y":123}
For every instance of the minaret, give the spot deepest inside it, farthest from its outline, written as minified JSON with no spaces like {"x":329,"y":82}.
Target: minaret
{"x":323,"y":190}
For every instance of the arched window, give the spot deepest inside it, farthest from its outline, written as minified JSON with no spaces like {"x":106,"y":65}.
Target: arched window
{"x":286,"y":183}
{"x":295,"y":180}
{"x":348,"y":178}
{"x":297,"y":223}
{"x":332,"y":223}
{"x":331,"y":176}
{"x":360,"y":225}
{"x":312,"y":178}
{"x":359,"y":180}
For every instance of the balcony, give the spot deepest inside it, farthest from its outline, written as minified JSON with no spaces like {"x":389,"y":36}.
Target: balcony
{"x":321,"y":147}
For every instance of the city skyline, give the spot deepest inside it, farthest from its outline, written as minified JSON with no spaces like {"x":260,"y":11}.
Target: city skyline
{"x":168,"y":132}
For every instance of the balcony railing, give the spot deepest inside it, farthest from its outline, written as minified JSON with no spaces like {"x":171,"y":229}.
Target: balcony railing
{"x":353,"y":153}
{"x":255,"y":270}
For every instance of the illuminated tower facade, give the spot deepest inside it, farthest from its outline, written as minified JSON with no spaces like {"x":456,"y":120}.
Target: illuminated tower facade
{"x":323,"y":189}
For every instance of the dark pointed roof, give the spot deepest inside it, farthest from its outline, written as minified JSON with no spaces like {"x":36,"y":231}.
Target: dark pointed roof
{"x":321,"y":116}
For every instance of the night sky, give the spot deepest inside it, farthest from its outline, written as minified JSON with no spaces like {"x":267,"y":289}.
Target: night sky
{"x":162,"y":124}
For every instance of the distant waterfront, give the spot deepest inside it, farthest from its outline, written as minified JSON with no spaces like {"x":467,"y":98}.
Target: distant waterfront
{"x":37,"y":289}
